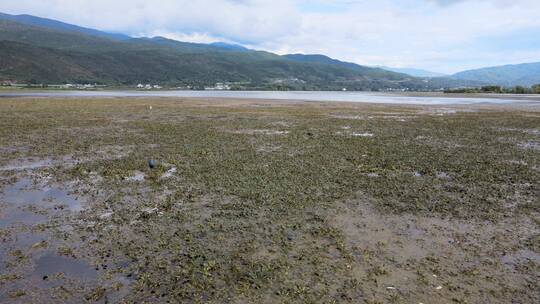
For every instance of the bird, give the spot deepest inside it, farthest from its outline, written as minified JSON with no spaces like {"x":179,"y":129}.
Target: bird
{"x":152,"y":163}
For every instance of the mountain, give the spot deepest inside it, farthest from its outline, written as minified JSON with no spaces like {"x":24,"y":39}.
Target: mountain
{"x":56,"y":39}
{"x":58,"y":25}
{"x":526,"y":74}
{"x":432,"y":82}
{"x":54,"y":52}
{"x":315,"y":58}
{"x":413,"y":72}
{"x":229,"y":46}
{"x":322,"y":59}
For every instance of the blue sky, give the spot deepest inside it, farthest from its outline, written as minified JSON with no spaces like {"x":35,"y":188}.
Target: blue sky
{"x":440,"y":35}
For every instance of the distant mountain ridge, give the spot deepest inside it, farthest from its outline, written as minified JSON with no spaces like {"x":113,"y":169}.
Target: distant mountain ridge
{"x":40,"y":50}
{"x":43,"y":54}
{"x":58,"y":25}
{"x":414,"y":72}
{"x":316,"y":58}
{"x":525,"y":74}
{"x":229,"y":46}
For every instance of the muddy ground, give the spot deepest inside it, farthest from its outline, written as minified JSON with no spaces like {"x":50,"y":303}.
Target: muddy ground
{"x":267,"y":202}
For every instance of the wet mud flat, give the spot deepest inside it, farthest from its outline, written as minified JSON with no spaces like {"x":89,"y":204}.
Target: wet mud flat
{"x":267,"y":202}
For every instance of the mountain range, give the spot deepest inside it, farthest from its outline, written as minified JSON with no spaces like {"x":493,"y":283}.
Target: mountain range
{"x":414,"y":72}
{"x":526,"y":74}
{"x":39,"y":50}
{"x":58,"y":25}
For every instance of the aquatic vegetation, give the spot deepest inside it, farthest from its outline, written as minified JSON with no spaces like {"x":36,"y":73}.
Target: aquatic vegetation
{"x":244,"y":207}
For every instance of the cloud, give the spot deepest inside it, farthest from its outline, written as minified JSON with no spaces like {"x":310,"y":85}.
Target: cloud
{"x":443,"y":35}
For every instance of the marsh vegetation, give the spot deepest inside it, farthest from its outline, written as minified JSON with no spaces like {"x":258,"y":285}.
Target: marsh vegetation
{"x":268,"y":202}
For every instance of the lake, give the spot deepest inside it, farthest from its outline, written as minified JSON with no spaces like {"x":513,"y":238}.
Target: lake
{"x":367,"y":97}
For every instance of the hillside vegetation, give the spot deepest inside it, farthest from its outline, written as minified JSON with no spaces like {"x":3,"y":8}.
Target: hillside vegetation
{"x":62,"y":54}
{"x":526,"y":74}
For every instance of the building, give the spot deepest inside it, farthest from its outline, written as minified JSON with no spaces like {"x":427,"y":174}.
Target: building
{"x":219,"y":87}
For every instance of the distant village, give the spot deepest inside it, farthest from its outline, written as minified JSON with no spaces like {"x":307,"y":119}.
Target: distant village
{"x":79,"y":86}
{"x":68,"y":86}
{"x":219,"y":86}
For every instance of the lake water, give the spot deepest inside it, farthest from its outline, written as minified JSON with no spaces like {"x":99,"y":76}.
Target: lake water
{"x":367,"y":97}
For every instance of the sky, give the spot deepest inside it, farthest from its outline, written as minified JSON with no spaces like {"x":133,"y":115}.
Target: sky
{"x":438,"y":35}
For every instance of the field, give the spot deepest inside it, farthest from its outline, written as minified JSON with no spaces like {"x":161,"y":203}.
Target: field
{"x":267,"y":202}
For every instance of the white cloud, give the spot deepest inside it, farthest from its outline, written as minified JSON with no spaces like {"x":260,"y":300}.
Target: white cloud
{"x":444,"y":35}
{"x":191,"y":37}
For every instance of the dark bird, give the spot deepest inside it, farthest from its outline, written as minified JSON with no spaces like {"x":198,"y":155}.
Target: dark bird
{"x":152,"y":163}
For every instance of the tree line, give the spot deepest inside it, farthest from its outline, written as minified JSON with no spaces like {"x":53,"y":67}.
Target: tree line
{"x":535,"y":89}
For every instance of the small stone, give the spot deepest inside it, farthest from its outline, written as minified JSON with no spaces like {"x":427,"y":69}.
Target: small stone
{"x":149,"y":210}
{"x":363,"y":134}
{"x":106,"y":215}
{"x":290,"y":236}
{"x":443,"y":175}
{"x":39,"y":245}
{"x":170,"y":173}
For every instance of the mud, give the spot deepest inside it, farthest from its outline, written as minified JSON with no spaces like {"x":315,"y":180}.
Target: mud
{"x":263,"y":202}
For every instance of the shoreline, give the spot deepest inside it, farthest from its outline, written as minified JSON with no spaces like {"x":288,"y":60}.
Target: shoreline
{"x":228,"y":102}
{"x":399,"y":98}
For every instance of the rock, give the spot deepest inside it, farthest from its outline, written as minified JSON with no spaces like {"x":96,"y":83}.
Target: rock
{"x":136,"y":177}
{"x":290,"y":236}
{"x":363,"y":134}
{"x":169,"y":173}
{"x":39,"y":245}
{"x":106,"y":215}
{"x":443,"y":175}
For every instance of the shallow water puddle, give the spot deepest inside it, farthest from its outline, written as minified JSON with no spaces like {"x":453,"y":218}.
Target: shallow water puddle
{"x":24,"y":205}
{"x":13,"y":216}
{"x":25,"y":192}
{"x":30,"y":251}
{"x":22,"y":240}
{"x":51,"y":264}
{"x":32,"y":163}
{"x":50,"y":273}
{"x":522,"y":256}
{"x":27,"y":164}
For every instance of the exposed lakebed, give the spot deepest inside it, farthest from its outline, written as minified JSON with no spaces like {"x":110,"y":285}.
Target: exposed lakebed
{"x":34,"y":260}
{"x":266,"y":202}
{"x":361,"y":97}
